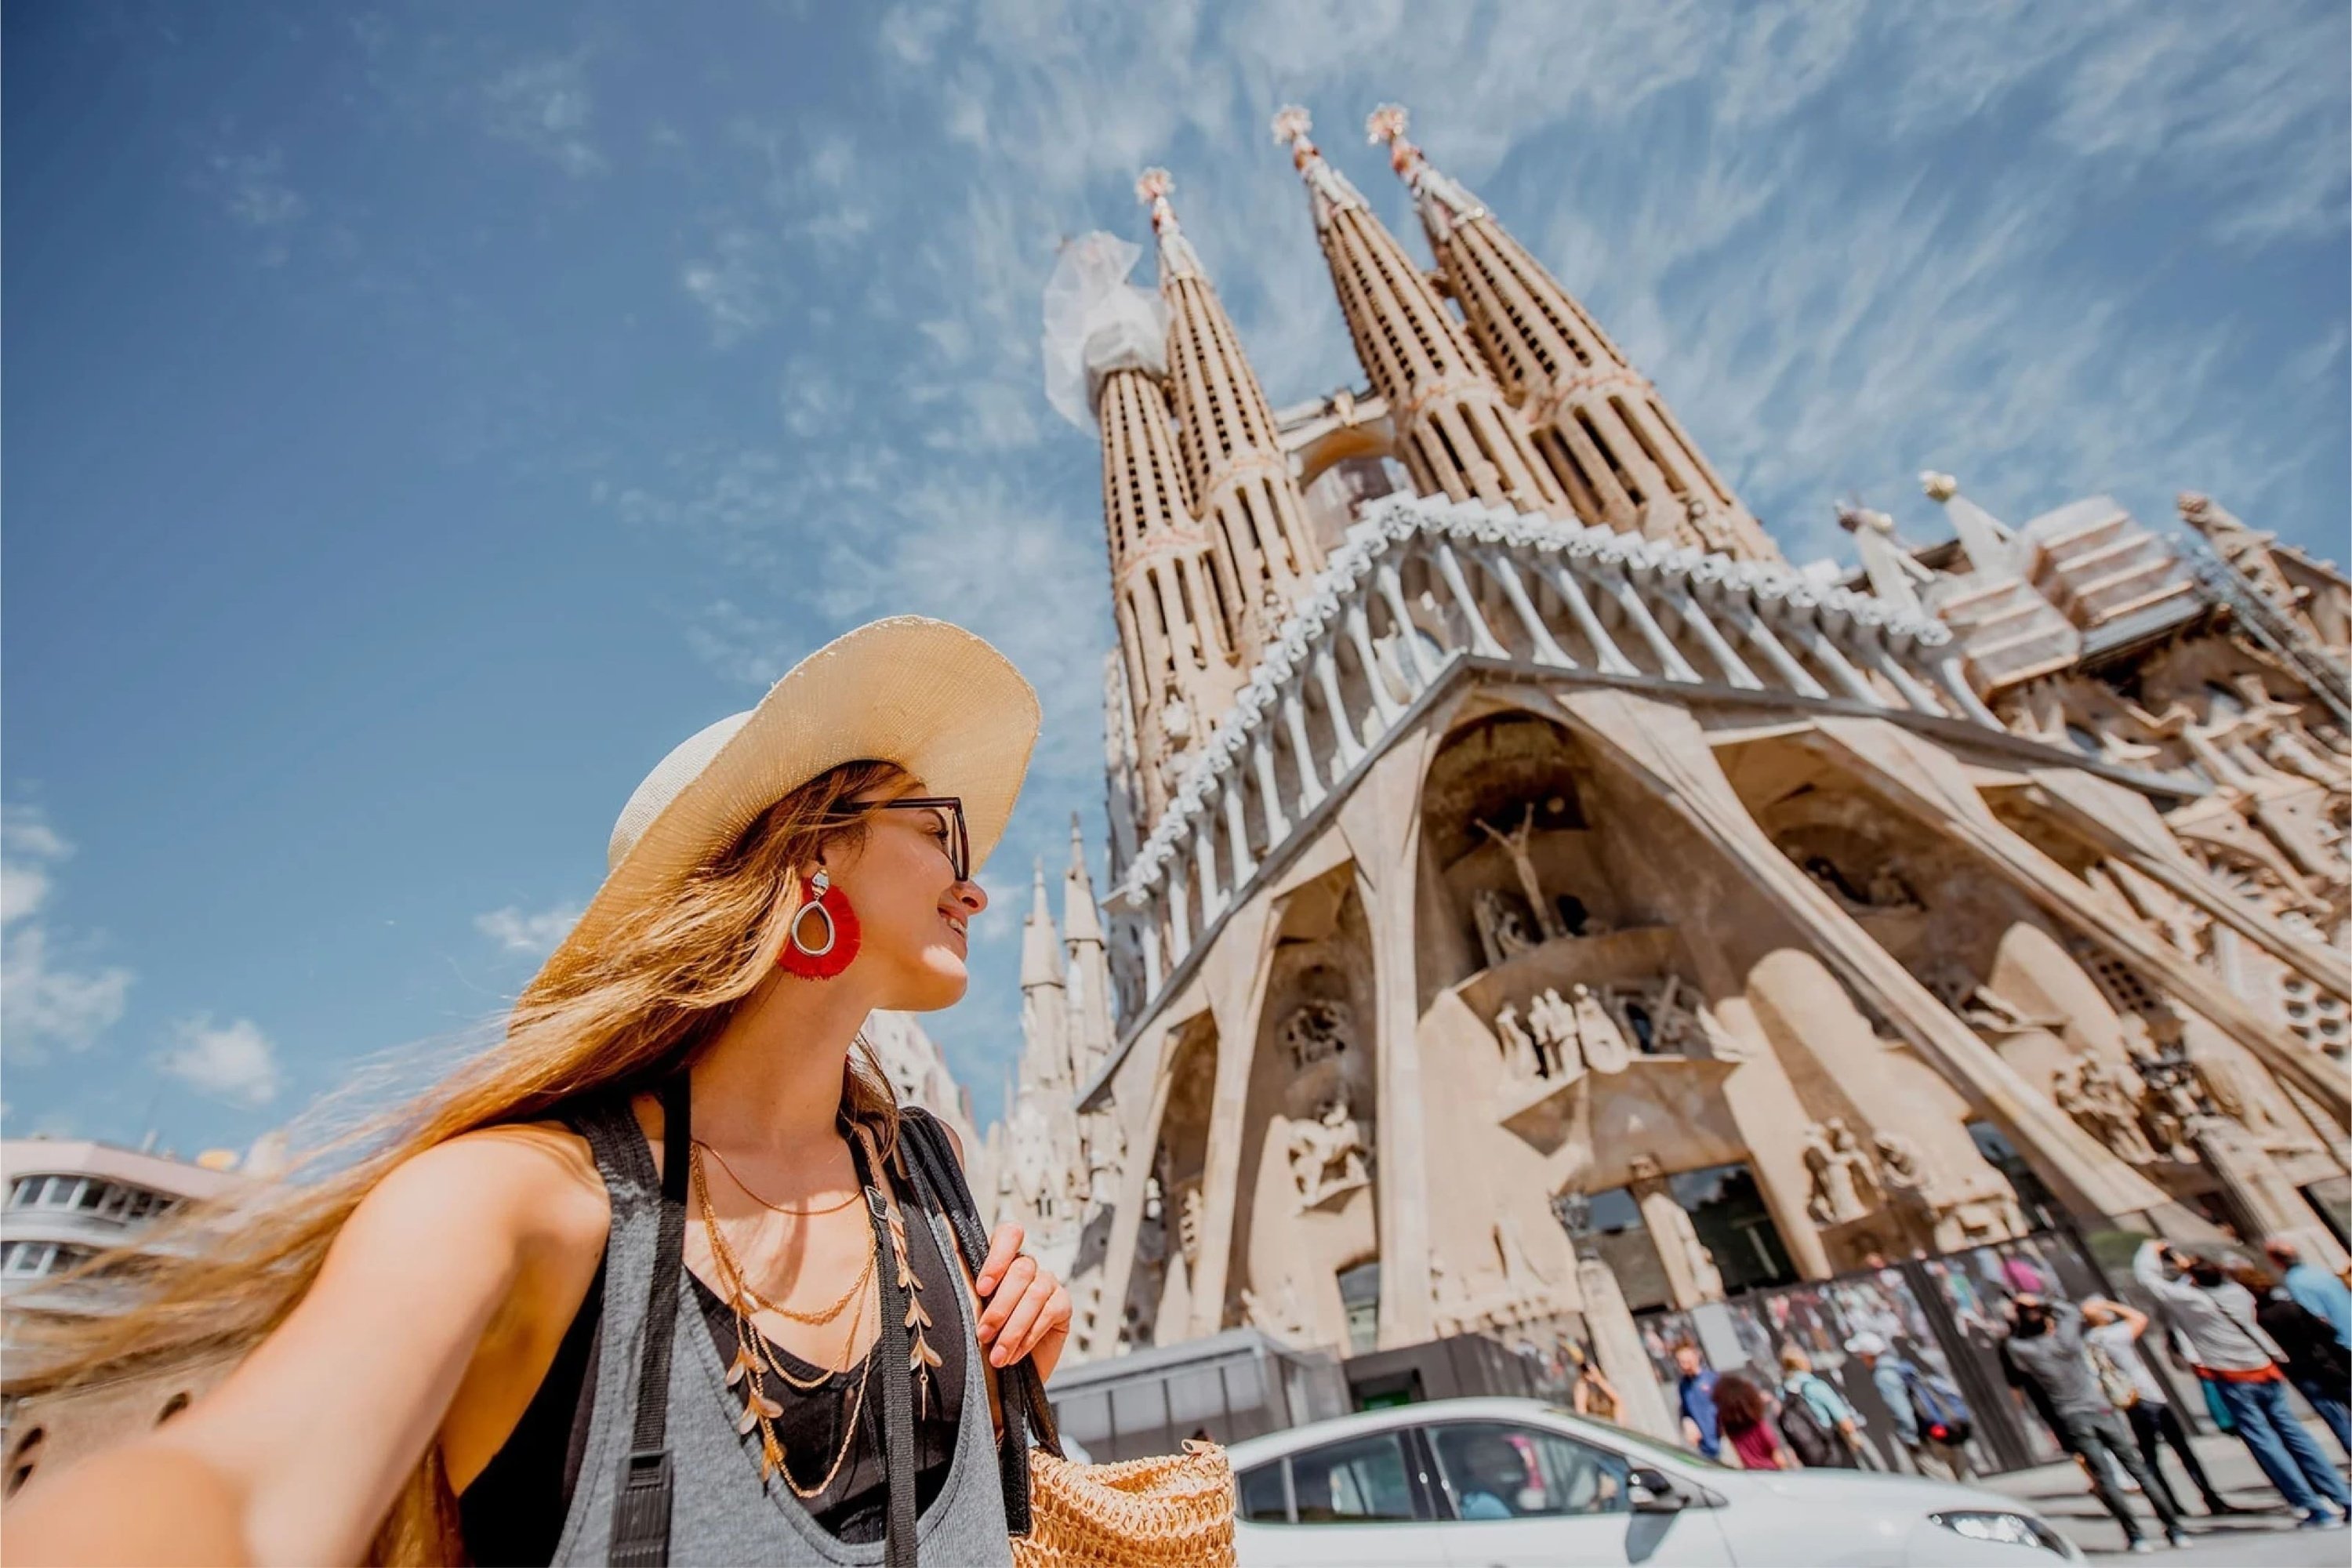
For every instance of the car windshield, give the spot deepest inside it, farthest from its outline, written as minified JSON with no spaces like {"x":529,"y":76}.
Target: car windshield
{"x":1638,"y":1443}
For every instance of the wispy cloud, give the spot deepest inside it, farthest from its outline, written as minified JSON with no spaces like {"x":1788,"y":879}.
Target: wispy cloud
{"x":232,"y":1061}
{"x":254,"y":192}
{"x":547,"y":106}
{"x":536,"y":932}
{"x":52,"y":994}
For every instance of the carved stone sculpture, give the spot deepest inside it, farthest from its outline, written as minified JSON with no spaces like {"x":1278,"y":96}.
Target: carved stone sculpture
{"x":1888,"y":890}
{"x":1502,"y":930}
{"x":1327,"y":1155}
{"x":1280,"y":1317}
{"x":1513,"y":844}
{"x":1558,"y":1052}
{"x":1835,"y":1199}
{"x":1519,"y":1053}
{"x":1316,"y":1031}
{"x":1192,"y":1208}
{"x":2095,"y":1096}
{"x":1605,"y":1048}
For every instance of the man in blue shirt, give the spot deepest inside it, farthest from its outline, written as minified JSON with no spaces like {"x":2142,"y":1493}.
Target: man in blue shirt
{"x":1695,"y":1391}
{"x":1892,"y":1376}
{"x":2314,"y":1290}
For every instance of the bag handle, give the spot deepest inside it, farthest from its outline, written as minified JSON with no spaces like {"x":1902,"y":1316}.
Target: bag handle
{"x":641,"y":1508}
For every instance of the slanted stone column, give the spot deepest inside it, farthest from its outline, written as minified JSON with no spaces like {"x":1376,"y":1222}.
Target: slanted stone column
{"x":1232,"y":977}
{"x":1381,"y":820}
{"x":1662,"y":747}
{"x":1930,"y":785}
{"x":1147,"y":1088}
{"x":1617,"y":1346}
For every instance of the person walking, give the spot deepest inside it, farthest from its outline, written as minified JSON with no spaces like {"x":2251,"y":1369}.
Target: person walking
{"x":2045,"y":1355}
{"x":2314,"y":1290}
{"x":2314,"y":1362}
{"x":668,"y":1274}
{"x":1695,"y":1398}
{"x":1813,"y":1412}
{"x":2114,"y":1332}
{"x":1743,"y":1414}
{"x":1931,"y":1420}
{"x":2228,"y":1349}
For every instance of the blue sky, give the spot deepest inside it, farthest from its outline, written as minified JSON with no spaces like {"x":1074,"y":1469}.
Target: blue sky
{"x":419,"y":420}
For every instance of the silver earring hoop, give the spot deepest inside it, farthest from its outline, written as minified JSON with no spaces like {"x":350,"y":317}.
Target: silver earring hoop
{"x":820,"y":884}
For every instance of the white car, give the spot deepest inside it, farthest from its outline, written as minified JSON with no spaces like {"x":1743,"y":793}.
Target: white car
{"x":1516,"y":1483}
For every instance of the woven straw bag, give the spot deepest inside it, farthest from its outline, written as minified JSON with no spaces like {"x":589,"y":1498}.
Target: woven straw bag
{"x":1171,"y":1511}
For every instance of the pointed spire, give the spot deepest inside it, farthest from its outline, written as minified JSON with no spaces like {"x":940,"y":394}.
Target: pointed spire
{"x":1041,"y":945}
{"x":1177,"y":256}
{"x":1453,"y":433}
{"x":1330,"y":189}
{"x":1985,"y":536}
{"x":1442,"y":203}
{"x":1606,"y":438}
{"x":1079,"y":915}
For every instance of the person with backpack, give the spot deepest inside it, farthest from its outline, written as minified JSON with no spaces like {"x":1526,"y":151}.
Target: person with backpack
{"x":1743,"y":1416}
{"x":2240,"y":1363}
{"x":2045,"y":1355}
{"x":2315,"y":1363}
{"x":2112,"y":1332}
{"x":1820,"y":1429}
{"x":1930,"y":1417}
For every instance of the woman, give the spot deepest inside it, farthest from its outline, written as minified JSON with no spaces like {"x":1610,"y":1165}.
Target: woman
{"x":452,"y":1347}
{"x":1742,"y":1413}
{"x":1592,"y":1395}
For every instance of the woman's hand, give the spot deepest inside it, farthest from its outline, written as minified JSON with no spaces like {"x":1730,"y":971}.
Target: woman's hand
{"x":1028,"y":1311}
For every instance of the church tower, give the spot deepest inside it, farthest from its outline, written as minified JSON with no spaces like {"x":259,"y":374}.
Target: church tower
{"x":1623,"y":456}
{"x":1240,"y":479}
{"x":1456,"y":436}
{"x":1176,"y":618}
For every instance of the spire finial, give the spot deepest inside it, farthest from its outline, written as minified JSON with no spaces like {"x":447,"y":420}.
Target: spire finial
{"x":1387,"y":124}
{"x":1291,"y":124}
{"x":1177,"y":256}
{"x":1441,"y":200}
{"x":1330,"y":188}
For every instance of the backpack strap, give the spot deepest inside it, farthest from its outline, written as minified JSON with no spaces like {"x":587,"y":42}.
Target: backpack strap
{"x":898,"y":1546}
{"x":641,"y":1508}
{"x":931,"y":1163}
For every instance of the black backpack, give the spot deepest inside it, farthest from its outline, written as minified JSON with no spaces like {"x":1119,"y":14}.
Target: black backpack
{"x":1815,"y":1446}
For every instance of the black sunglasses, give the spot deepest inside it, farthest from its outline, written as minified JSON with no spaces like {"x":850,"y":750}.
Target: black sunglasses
{"x":949,"y":807}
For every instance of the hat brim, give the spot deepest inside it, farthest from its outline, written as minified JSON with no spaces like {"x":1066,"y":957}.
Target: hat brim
{"x":936,"y":700}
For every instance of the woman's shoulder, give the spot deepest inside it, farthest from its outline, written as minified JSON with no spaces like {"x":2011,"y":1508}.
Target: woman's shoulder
{"x":541,"y":1174}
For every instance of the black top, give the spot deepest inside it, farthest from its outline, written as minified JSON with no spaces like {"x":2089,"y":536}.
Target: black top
{"x":512,"y":1514}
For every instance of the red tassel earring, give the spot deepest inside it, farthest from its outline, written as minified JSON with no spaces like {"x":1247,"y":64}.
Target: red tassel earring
{"x":825,"y":932}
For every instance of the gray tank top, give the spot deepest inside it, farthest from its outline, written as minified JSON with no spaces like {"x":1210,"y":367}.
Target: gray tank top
{"x":721,"y":1512}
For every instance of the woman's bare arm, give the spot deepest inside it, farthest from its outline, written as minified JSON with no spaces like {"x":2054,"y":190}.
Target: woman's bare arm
{"x":297,"y":1456}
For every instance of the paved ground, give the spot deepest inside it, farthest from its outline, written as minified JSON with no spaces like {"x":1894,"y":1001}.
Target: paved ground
{"x":2267,"y":1539}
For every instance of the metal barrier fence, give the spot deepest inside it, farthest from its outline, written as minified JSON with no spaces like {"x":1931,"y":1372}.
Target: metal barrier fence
{"x":1946,"y":1315}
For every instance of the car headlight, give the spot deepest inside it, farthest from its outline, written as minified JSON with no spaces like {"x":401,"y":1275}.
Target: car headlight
{"x":2009,"y":1529}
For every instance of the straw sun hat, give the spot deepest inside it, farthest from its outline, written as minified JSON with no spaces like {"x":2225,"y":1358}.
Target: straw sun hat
{"x":930,"y":697}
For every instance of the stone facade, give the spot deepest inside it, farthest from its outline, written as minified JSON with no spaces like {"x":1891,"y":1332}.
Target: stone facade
{"x":1558,"y":855}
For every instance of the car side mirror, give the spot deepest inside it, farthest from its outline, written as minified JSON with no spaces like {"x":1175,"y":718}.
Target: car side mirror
{"x":1653,"y":1493}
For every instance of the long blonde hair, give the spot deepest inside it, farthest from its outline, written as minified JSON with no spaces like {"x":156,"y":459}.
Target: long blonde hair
{"x":615,"y":1019}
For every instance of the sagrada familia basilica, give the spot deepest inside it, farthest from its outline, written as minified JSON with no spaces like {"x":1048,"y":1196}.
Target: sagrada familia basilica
{"x":1506,"y":838}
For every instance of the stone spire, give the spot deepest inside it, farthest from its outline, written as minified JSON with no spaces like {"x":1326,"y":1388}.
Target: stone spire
{"x":1240,"y":479}
{"x":1605,"y":434}
{"x":1088,"y":994}
{"x":1453,"y":431}
{"x":1045,"y":1018}
{"x":1177,"y":622}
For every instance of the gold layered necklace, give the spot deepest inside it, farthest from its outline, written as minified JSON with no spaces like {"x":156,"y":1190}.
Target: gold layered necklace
{"x":755,"y":1358}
